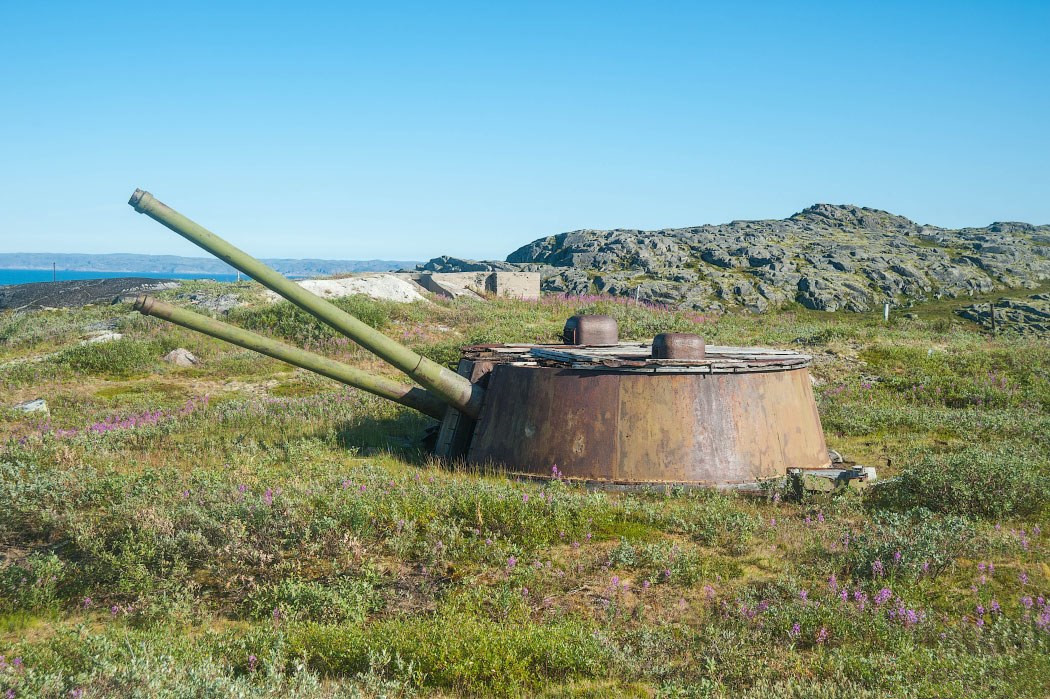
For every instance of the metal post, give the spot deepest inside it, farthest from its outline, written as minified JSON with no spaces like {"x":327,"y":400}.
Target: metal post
{"x":458,"y":391}
{"x":411,"y":396}
{"x":886,"y":312}
{"x":991,"y":314}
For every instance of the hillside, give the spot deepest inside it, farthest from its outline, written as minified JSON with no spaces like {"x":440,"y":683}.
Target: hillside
{"x":826,"y":257}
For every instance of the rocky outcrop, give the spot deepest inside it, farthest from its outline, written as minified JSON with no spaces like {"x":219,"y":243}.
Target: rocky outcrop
{"x":1027,"y":316}
{"x":826,"y":258}
{"x":81,"y":292}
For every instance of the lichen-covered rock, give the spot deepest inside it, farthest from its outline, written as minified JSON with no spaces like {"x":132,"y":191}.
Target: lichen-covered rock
{"x":1027,"y":316}
{"x":826,"y":257}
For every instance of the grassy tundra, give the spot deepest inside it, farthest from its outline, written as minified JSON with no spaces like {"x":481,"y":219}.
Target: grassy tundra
{"x":243,"y":529}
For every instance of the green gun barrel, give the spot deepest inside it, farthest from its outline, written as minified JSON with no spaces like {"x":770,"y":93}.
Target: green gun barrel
{"x":450,"y":386}
{"x":410,"y":396}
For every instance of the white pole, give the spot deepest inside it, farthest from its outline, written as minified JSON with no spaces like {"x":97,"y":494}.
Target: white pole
{"x":886,"y":312}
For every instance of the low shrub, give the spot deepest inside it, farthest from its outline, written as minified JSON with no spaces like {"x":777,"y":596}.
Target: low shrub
{"x":908,"y":544}
{"x":974,"y":481}
{"x":120,"y":358}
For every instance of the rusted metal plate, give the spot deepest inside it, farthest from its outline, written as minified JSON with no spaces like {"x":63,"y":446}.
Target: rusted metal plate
{"x":679,"y":346}
{"x":629,"y":427}
{"x":457,"y":429}
{"x":599,"y":331}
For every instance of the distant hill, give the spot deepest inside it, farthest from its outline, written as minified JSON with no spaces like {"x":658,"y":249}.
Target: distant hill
{"x":826,"y":257}
{"x":173,"y":264}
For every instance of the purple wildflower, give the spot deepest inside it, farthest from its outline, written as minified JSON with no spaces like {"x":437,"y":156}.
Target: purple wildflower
{"x":876,"y":568}
{"x":883,"y":596}
{"x":796,"y":630}
{"x":268,"y":497}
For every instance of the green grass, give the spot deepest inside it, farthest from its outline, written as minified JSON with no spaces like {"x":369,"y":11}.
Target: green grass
{"x":288,"y":537}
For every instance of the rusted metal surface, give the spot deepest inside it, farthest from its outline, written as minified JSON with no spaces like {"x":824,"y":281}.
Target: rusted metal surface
{"x":596,"y":331}
{"x":678,"y":346}
{"x":630,"y":427}
{"x":457,"y":429}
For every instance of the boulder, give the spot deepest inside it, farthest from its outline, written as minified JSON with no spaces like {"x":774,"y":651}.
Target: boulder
{"x":181,"y":357}
{"x":37,"y":405}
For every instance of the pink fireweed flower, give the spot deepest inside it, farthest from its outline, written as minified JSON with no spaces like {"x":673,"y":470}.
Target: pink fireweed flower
{"x":803,"y":595}
{"x":883,"y":596}
{"x":525,"y":497}
{"x":820,"y":517}
{"x":822,"y":635}
{"x":511,"y":562}
{"x":876,"y":568}
{"x":268,"y":496}
{"x":796,"y":630}
{"x":252,"y":661}
{"x":833,"y":583}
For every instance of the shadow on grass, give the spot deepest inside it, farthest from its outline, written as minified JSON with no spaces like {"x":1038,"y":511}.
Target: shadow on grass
{"x":403,"y":435}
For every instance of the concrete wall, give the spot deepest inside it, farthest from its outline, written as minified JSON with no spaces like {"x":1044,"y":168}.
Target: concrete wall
{"x":523,"y":285}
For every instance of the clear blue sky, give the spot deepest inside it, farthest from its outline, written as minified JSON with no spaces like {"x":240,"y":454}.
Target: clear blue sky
{"x":407,"y":130}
